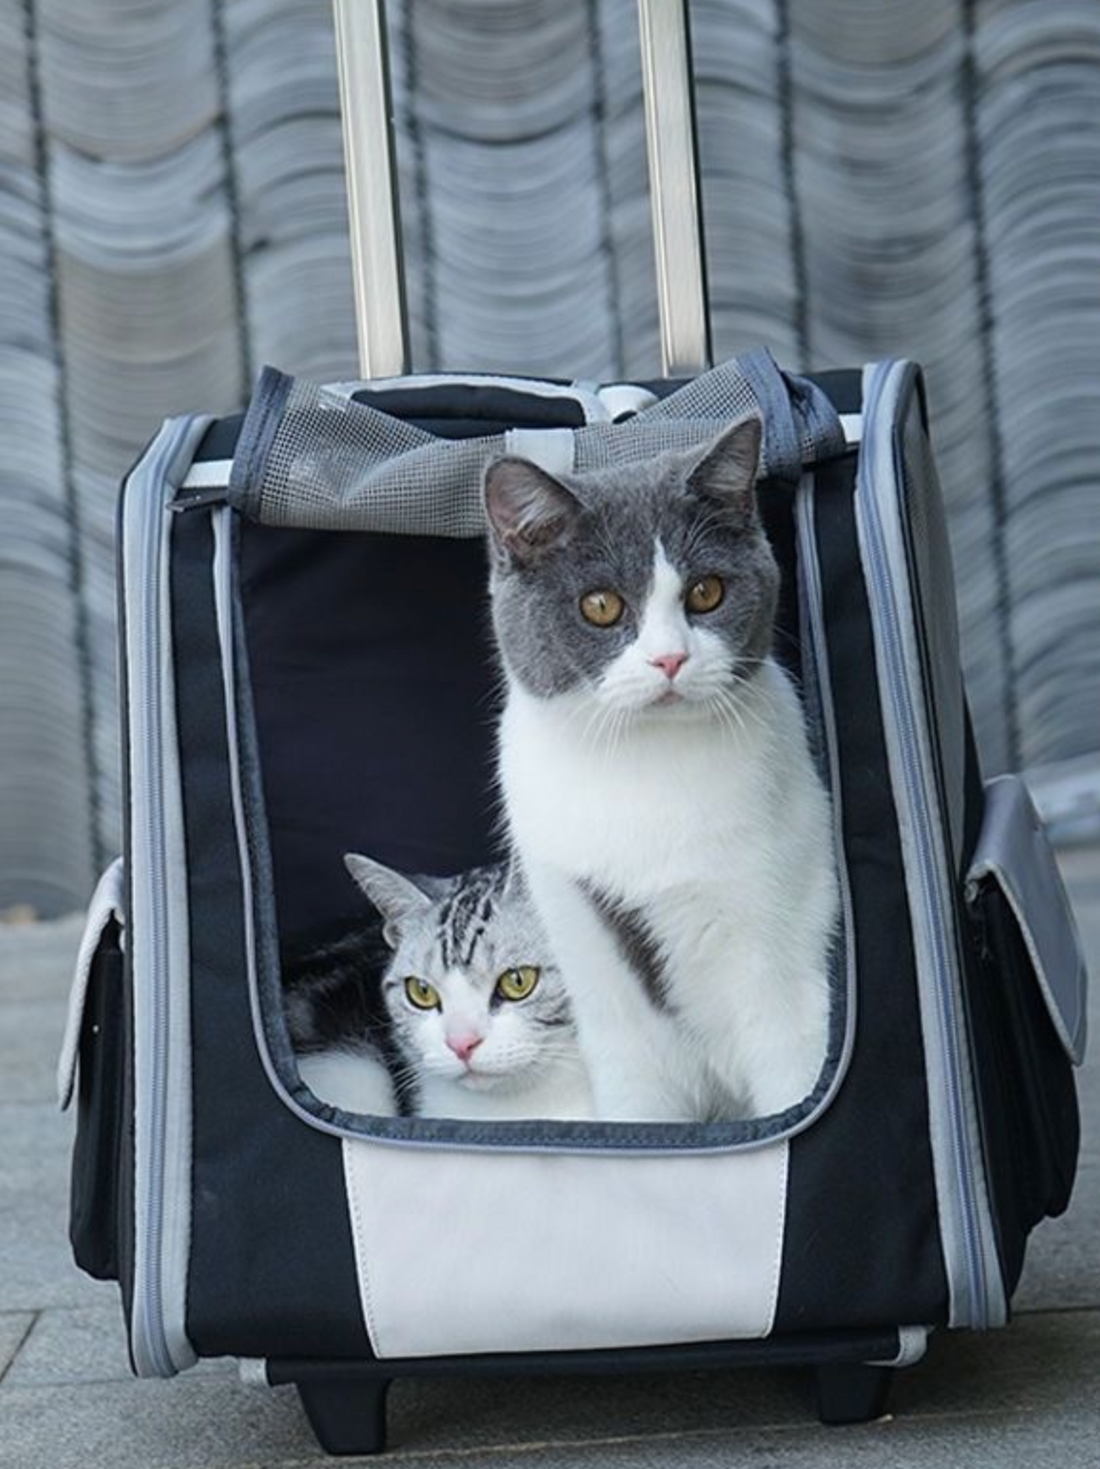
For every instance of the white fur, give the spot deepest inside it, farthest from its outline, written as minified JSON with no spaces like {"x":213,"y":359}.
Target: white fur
{"x":557,"y":1091}
{"x":360,"y":1084}
{"x":349,"y":1080}
{"x":519,"y":1069}
{"x":715,"y":825}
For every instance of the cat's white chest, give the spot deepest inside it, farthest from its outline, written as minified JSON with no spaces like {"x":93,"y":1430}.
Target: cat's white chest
{"x":685,"y":878}
{"x":679,"y":806}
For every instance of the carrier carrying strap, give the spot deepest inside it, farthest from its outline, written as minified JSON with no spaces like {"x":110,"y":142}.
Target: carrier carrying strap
{"x":313,"y":457}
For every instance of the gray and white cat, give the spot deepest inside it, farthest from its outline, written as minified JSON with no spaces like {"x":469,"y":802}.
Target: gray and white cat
{"x":479,"y":1025}
{"x":658,"y":782}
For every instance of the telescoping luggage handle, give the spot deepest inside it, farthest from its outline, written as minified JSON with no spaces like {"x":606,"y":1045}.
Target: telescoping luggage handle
{"x":313,"y":456}
{"x":374,"y":209}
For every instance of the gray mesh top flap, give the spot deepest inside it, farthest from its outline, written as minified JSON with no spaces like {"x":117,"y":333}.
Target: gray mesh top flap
{"x":310,"y":456}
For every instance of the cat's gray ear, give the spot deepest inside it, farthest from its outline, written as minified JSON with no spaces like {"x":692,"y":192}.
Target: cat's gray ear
{"x":529,"y":511}
{"x":727,"y":468}
{"x":396,"y":897}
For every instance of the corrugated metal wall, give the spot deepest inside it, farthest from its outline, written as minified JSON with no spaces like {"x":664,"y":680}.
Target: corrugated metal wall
{"x":879,"y":178}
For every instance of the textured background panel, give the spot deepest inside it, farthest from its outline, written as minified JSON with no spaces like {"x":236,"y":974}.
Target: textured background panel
{"x":879,"y":179}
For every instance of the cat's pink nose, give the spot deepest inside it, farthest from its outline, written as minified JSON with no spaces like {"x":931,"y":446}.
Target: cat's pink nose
{"x":464,"y":1046}
{"x":670,"y":663}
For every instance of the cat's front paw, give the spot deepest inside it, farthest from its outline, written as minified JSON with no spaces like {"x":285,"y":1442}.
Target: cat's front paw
{"x":770,"y":1097}
{"x":642,"y":1104}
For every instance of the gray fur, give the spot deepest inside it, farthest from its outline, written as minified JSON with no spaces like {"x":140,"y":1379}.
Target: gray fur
{"x":395,"y":896}
{"x":635,"y":941}
{"x":556,"y":538}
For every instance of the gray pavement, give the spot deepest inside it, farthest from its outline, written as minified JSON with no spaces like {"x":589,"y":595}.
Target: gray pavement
{"x":1026,"y":1396}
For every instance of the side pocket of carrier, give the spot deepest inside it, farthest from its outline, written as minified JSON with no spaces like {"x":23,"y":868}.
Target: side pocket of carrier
{"x":1027,"y":1001}
{"x":91,"y":1067}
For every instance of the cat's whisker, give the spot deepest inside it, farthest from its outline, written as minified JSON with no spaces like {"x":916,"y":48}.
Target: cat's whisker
{"x":751,"y":708}
{"x":616,"y":728}
{"x":790,"y":640}
{"x":606,"y":726}
{"x":591,"y":712}
{"x":743,"y":710}
{"x":595,"y":724}
{"x":728,"y":718}
{"x":402,"y":1071}
{"x":738,"y":715}
{"x":737,"y":709}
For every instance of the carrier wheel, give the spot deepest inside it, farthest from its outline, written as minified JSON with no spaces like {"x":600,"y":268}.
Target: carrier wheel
{"x":348,"y":1415}
{"x":851,"y":1392}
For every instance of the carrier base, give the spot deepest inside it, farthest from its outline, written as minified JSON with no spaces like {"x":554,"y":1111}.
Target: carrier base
{"x":348,"y":1414}
{"x":345,"y":1402}
{"x":852,"y":1392}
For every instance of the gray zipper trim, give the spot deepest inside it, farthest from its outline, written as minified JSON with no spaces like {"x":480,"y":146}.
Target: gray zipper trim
{"x":158,"y":932}
{"x":224,"y":574}
{"x":977,"y":1296}
{"x":820,"y":690}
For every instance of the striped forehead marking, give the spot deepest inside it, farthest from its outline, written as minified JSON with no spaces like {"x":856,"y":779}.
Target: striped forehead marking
{"x":464,"y":919}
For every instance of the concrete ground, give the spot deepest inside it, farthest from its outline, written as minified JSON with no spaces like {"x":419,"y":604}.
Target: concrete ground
{"x":1026,"y":1396}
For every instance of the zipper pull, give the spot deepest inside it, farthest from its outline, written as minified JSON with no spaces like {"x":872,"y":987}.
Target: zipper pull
{"x":197,"y":498}
{"x":205,"y":483}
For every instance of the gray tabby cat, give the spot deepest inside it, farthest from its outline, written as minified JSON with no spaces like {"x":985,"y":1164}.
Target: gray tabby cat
{"x":657,"y":779}
{"x":479,"y":1026}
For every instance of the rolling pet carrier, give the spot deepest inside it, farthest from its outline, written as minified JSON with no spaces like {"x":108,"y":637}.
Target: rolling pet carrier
{"x":306,"y":665}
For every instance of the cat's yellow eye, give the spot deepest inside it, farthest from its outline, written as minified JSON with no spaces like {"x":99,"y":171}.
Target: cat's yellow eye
{"x":517,"y":984}
{"x":602,"y":608}
{"x":423,"y":995}
{"x":706,"y":594}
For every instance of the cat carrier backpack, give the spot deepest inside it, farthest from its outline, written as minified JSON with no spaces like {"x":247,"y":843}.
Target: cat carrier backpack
{"x":307,"y":666}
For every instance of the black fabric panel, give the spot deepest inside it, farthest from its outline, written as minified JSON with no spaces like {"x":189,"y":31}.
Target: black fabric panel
{"x":862,"y":1241}
{"x":1027,"y":1097}
{"x":844,"y":387}
{"x":974,"y":804}
{"x":1012,"y":1048}
{"x":100,"y":1118}
{"x":776,"y":502}
{"x":272,"y":1263}
{"x":465,"y":410}
{"x":220,"y":439}
{"x":1028,"y":1100}
{"x":374,"y":683}
{"x":350,"y":723}
{"x":407,"y":778}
